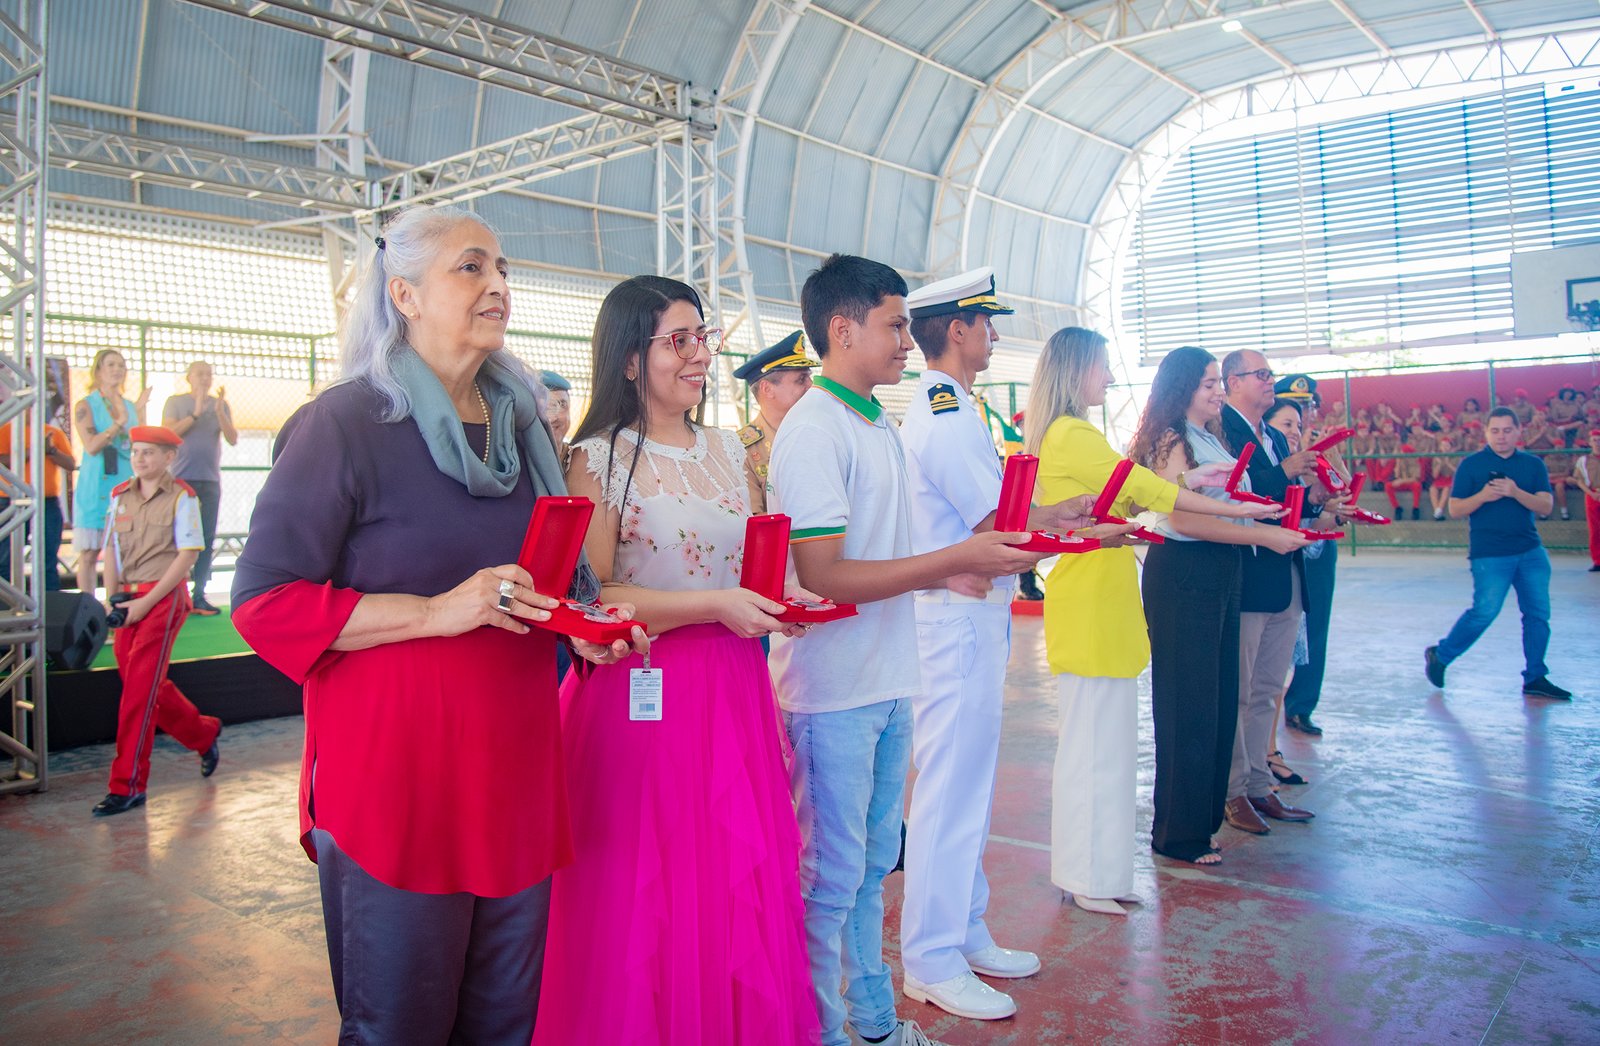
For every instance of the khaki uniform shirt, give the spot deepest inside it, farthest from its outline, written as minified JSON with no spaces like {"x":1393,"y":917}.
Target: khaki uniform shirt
{"x":146,"y":534}
{"x":757,"y":440}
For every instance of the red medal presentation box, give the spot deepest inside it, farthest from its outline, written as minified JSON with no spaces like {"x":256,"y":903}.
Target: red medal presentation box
{"x":766,"y":564}
{"x":1330,"y":476}
{"x":550,"y":551}
{"x":1016,"y":499}
{"x":1108,"y":497}
{"x":1237,"y":476}
{"x":1294,"y":500}
{"x":1332,"y":439}
{"x":1357,"y":514}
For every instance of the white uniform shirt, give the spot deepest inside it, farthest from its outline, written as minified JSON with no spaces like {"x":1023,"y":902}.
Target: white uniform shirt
{"x":954,"y":468}
{"x":838,"y":471}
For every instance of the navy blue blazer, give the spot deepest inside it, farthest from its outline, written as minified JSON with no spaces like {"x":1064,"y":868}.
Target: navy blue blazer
{"x":1267,"y":584}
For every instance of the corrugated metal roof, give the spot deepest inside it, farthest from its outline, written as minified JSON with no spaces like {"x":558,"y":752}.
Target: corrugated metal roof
{"x":895,"y":117}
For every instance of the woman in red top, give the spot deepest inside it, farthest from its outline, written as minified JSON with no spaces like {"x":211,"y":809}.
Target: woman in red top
{"x":381,"y":573}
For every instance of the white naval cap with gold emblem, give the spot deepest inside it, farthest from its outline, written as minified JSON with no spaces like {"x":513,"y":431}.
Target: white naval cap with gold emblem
{"x":970,"y":292}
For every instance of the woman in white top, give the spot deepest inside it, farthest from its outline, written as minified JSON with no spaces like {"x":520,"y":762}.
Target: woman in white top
{"x":1191,"y":590}
{"x":679,"y":920}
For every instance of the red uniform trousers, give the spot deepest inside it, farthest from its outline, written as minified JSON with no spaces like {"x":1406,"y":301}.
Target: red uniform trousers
{"x":1591,"y":512}
{"x":149,"y":698}
{"x":1413,"y":485}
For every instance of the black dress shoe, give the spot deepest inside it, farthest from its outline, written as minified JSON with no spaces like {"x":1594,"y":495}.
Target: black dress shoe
{"x":1542,"y":687}
{"x":208,"y":758}
{"x":1433,"y":665}
{"x":117,"y":804}
{"x":1304,"y":725}
{"x":203,"y":608}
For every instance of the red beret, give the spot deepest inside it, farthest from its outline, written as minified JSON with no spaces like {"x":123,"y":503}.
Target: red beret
{"x":159,"y":434}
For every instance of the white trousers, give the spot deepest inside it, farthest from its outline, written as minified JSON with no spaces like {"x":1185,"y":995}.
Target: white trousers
{"x":956,"y":745}
{"x":1092,"y":798}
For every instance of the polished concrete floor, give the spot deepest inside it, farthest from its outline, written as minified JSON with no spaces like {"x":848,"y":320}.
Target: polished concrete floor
{"x":1448,"y":891}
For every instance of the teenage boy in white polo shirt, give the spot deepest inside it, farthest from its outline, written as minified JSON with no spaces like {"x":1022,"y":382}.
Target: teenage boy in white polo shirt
{"x":838,"y":470}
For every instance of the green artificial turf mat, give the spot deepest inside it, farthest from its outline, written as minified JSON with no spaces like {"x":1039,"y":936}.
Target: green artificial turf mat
{"x":201,"y":637}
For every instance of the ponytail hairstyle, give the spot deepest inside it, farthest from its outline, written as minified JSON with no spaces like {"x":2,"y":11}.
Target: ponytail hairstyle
{"x":1065,"y":364}
{"x":374,"y":328}
{"x":1164,"y":427}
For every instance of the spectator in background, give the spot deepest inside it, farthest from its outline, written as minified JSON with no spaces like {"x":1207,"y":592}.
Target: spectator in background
{"x":1587,"y":472}
{"x":1500,"y":489}
{"x":1538,"y":438}
{"x":558,"y":410}
{"x":1387,"y":442}
{"x":57,"y":456}
{"x":203,"y":421}
{"x":1406,"y":475}
{"x":1471,"y":413}
{"x":103,"y":418}
{"x":778,"y":376}
{"x":1444,"y":474}
{"x":1521,"y":406}
{"x":1566,"y":420}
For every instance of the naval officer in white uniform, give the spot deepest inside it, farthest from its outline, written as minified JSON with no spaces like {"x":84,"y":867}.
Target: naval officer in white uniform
{"x":964,"y":640}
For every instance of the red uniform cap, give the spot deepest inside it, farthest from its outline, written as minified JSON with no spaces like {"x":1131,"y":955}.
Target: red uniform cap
{"x":158,"y":434}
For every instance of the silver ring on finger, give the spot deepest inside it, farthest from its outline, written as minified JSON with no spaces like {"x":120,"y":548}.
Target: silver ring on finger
{"x":503,"y":604}
{"x":507,"y":589}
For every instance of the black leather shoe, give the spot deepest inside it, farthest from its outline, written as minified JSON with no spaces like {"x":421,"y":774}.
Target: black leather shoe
{"x":1433,"y":665}
{"x":208,"y":758}
{"x":1542,"y":687}
{"x":202,"y":608}
{"x":1304,"y":725}
{"x":117,"y":804}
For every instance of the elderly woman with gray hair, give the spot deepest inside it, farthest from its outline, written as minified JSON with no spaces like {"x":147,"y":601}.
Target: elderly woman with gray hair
{"x":381,"y":573}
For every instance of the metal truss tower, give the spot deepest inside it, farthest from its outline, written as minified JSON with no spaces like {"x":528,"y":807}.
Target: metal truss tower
{"x":23,"y":393}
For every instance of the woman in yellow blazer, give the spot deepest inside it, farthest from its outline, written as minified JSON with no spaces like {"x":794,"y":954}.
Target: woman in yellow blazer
{"x":1094,"y":626}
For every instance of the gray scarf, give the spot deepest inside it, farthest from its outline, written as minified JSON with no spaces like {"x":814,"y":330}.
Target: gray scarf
{"x":514,"y":425}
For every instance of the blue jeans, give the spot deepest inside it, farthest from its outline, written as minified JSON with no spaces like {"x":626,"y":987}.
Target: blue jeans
{"x":1529,"y":574}
{"x":849,"y":778}
{"x":50,"y":551}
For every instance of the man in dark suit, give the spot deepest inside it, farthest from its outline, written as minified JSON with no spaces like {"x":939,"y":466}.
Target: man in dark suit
{"x":1270,"y":605}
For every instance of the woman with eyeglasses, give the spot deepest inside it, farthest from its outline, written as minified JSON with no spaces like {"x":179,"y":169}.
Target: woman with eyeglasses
{"x":679,"y":920}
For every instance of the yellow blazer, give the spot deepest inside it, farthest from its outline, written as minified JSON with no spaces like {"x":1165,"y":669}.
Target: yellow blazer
{"x":1093,"y":619}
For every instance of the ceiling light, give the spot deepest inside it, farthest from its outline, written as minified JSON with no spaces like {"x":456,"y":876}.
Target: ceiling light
{"x":1232,"y":25}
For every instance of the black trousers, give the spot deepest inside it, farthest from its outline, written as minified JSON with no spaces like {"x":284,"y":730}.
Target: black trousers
{"x":209,"y":493}
{"x":1191,"y":603}
{"x":1305,"y":689}
{"x":430,"y":969}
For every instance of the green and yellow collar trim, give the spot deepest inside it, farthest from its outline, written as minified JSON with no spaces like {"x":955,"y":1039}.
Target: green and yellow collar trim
{"x":869,"y":409}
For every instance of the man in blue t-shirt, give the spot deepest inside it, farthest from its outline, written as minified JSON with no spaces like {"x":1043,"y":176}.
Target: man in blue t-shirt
{"x":1500,"y":489}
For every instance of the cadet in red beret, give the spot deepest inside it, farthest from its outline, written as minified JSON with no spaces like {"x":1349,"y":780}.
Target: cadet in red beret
{"x":152,"y":539}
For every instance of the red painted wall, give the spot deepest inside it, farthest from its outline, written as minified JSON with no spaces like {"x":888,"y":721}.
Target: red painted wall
{"x":1400,"y":391}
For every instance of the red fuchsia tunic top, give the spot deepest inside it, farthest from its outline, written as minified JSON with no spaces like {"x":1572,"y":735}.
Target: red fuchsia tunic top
{"x":434,"y":763}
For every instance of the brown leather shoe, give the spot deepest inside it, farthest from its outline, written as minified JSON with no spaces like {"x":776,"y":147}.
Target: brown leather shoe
{"x":1243,"y":816}
{"x":1272,"y":806}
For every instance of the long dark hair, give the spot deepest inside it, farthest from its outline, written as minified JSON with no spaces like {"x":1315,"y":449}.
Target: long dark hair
{"x":622,"y":332}
{"x":1164,"y":425}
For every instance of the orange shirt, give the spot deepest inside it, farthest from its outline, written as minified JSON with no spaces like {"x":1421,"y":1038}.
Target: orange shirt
{"x":52,"y":471}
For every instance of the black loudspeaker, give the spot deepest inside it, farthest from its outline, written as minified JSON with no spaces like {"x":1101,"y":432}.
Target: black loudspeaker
{"x":74,"y":629}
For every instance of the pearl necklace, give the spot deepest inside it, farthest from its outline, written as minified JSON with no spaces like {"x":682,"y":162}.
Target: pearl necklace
{"x":483,"y":405}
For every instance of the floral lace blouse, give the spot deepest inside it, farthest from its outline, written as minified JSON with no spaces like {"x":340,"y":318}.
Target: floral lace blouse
{"x":684,"y":514}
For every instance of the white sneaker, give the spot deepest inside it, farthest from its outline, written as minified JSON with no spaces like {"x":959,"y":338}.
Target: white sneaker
{"x":963,"y":995}
{"x":995,"y":961}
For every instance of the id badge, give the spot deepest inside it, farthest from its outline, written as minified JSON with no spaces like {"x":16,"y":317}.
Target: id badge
{"x":644,"y":695}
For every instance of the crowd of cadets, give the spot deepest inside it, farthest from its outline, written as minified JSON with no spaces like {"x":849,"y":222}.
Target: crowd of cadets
{"x":1550,"y":431}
